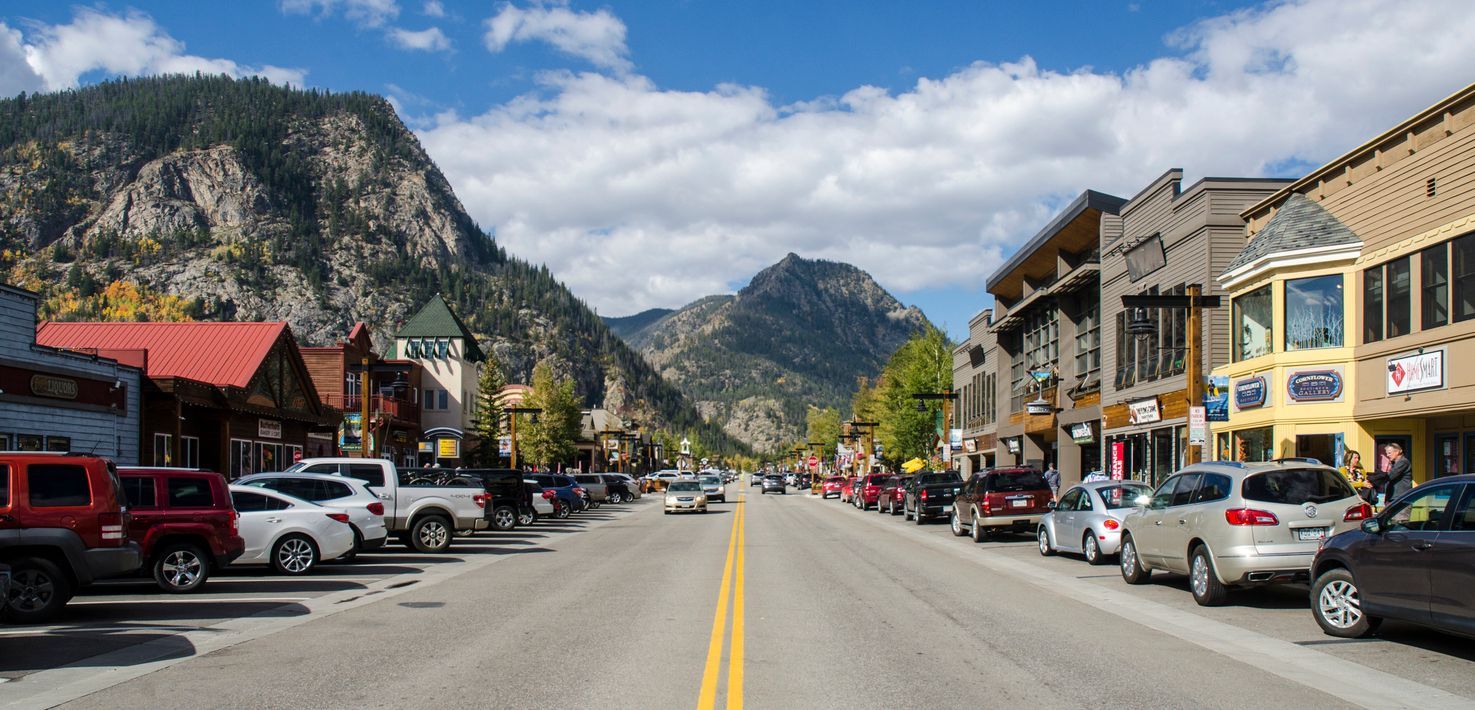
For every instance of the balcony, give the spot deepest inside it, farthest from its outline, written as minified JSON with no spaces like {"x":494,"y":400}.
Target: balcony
{"x":396,"y":410}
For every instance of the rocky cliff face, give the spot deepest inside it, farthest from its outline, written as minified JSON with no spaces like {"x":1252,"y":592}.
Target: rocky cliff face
{"x":240,"y":200}
{"x":802,"y":332}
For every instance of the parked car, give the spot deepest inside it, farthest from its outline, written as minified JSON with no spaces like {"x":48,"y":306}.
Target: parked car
{"x":1228,"y":525}
{"x":660,"y":479}
{"x":541,"y":503}
{"x":510,"y":498}
{"x":930,"y":495}
{"x":685,"y":495}
{"x":4,"y":588}
{"x":1001,"y":499}
{"x":893,"y":495}
{"x":847,"y":490}
{"x":868,"y":490}
{"x":183,"y":522}
{"x":594,"y":483}
{"x":290,"y":534}
{"x":350,"y":495}
{"x":623,"y":488}
{"x":1088,"y":519}
{"x":424,"y":516}
{"x":774,"y":482}
{"x":714,"y":488}
{"x":63,"y":523}
{"x":1415,"y":562}
{"x":573,"y":495}
{"x":831,"y":487}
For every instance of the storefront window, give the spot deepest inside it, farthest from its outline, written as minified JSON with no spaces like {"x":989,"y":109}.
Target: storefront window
{"x":242,"y":460}
{"x":1313,"y":312}
{"x":1464,"y":277}
{"x":5,"y":444}
{"x":1254,"y":444}
{"x":27,"y":442}
{"x":1372,"y":305}
{"x":163,"y":448}
{"x":190,"y":451}
{"x":1164,"y":455}
{"x":1434,"y":290}
{"x":61,"y":444}
{"x":1322,"y":447}
{"x":1221,"y":446}
{"x":1252,"y":324}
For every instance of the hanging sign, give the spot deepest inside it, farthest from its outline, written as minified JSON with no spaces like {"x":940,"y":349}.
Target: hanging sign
{"x":1250,"y":393}
{"x":1216,"y":398}
{"x":268,"y":428}
{"x":1118,"y":460}
{"x":1144,"y":411}
{"x":1412,"y":373}
{"x":1082,"y":433}
{"x":1314,"y":386}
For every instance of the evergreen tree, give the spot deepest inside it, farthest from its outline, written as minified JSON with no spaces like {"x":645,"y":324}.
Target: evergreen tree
{"x":488,"y":422}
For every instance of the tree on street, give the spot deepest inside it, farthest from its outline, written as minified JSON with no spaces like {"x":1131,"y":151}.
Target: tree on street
{"x":552,"y":439}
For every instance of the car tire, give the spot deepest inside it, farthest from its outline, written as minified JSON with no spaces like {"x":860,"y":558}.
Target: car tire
{"x":1131,"y":563}
{"x":527,"y":518}
{"x":1092,"y":549}
{"x":957,"y":522}
{"x":1046,"y":549}
{"x":294,"y":555}
{"x":1203,"y":581}
{"x":1337,"y":605}
{"x":918,"y":516}
{"x":562,"y":512}
{"x":39,"y":590}
{"x":431,"y":534}
{"x":504,"y":518}
{"x":182,"y":567}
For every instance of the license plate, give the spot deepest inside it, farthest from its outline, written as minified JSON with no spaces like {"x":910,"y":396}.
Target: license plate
{"x":1310,"y":534}
{"x":1020,"y":503}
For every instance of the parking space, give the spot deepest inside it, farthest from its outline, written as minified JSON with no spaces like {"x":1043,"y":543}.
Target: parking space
{"x":119,"y":614}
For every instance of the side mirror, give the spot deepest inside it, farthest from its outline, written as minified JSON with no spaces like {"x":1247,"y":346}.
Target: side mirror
{"x":1372,"y":526}
{"x":1143,"y":500}
{"x":1050,"y":505}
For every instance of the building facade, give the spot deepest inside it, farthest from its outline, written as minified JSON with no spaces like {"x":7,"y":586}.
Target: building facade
{"x":975,"y":380}
{"x":450,"y":362}
{"x":337,"y":373}
{"x":55,"y":400}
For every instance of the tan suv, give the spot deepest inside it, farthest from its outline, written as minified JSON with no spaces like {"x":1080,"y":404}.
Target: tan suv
{"x":1226,"y":524}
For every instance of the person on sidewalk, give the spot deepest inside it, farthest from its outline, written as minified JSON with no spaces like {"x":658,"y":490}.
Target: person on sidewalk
{"x":1052,"y":477}
{"x":1399,"y":478}
{"x":1356,"y":476}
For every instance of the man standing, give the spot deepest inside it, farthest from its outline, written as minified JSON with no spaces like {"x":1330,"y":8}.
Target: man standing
{"x":1400,"y":476}
{"x":1052,"y":477}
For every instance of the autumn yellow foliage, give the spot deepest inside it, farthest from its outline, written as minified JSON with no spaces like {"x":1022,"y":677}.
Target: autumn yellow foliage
{"x":120,"y":301}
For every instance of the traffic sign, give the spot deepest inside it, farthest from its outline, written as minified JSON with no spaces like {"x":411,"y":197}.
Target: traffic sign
{"x":813,"y":461}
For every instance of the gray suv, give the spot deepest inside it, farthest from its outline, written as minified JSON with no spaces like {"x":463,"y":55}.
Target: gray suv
{"x":1227,"y":524}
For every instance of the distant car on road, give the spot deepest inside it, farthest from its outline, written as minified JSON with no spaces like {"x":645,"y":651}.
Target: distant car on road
{"x":868,"y":490}
{"x":713,"y":486}
{"x":1088,"y":519}
{"x":685,"y":495}
{"x":774,"y":482}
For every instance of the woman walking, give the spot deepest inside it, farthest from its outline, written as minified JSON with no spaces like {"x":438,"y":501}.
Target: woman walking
{"x":1356,"y":475}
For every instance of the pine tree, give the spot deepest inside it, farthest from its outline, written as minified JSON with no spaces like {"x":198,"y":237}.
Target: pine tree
{"x":488,"y":422}
{"x":552,"y":439}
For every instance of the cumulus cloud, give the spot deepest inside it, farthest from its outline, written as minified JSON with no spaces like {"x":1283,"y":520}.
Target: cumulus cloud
{"x":639,"y":196}
{"x":427,"y":40}
{"x":433,"y":8}
{"x":54,"y":57}
{"x":364,"y":13}
{"x":598,"y":37}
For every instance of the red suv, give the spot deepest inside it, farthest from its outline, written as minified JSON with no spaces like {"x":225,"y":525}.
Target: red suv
{"x":63,"y":524}
{"x":999,"y":499}
{"x":184,"y":522}
{"x":868,"y":490}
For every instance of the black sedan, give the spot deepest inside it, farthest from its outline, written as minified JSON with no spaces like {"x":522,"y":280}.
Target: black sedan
{"x":1414,"y":562}
{"x":775,"y":483}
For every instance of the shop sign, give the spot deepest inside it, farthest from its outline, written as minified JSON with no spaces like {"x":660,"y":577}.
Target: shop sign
{"x":955,"y":438}
{"x":1144,"y":411}
{"x":1082,"y":433}
{"x":426,"y":447}
{"x":448,"y":448}
{"x":1013,"y":444}
{"x":504,"y":446}
{"x":1118,"y":460}
{"x":53,"y":387}
{"x":268,"y":428}
{"x":1314,"y":386}
{"x":970,"y":446}
{"x":1198,"y":426}
{"x":1250,"y":393}
{"x":1412,"y":373}
{"x":1216,"y":398}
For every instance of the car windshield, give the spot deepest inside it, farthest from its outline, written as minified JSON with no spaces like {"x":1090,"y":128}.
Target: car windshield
{"x":687,"y":486}
{"x":710,"y":480}
{"x":1017,"y":481}
{"x":1295,"y":486}
{"x":1123,"y":496}
{"x":928,"y":479}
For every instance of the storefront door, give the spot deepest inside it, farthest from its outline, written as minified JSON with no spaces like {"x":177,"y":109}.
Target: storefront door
{"x":1322,"y":447}
{"x":1470,"y":453}
{"x":1447,"y":455}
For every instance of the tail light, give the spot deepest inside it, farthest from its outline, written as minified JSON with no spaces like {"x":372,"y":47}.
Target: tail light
{"x":376,"y":508}
{"x":340,"y":517}
{"x":481,"y":499}
{"x":1361,"y":511}
{"x":235,"y":522}
{"x":924,"y":494}
{"x":1250,"y":516}
{"x":548,"y":495}
{"x":1110,"y":524}
{"x":113,"y":532}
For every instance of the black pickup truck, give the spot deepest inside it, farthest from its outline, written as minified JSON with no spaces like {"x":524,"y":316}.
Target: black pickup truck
{"x":930,"y":495}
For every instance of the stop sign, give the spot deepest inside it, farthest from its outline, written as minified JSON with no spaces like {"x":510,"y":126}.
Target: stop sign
{"x":813,"y":461}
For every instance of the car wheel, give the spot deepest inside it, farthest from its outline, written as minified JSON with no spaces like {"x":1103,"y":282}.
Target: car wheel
{"x":957,"y":523}
{"x":919,"y":516}
{"x":563,"y":512}
{"x":1091,"y":549}
{"x":38,"y":591}
{"x":1205,"y":584}
{"x":905,"y":514}
{"x":504,"y":518}
{"x":294,"y":555}
{"x":1337,"y":605}
{"x":1045,"y":549}
{"x":431,"y":533}
{"x":977,"y":531}
{"x":1132,"y":570}
{"x":526,"y":517}
{"x":182,"y":567}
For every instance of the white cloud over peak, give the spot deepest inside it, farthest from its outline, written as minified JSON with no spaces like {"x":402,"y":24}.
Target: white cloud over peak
{"x":364,"y":13}
{"x":54,"y":57}
{"x":427,"y":40}
{"x":638,"y":196}
{"x":598,"y":37}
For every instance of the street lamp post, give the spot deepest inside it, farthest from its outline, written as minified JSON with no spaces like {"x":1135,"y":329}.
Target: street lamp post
{"x":1140,"y":325}
{"x":618,"y":435}
{"x":512,"y":414}
{"x":867,"y":433}
{"x":947,"y":397}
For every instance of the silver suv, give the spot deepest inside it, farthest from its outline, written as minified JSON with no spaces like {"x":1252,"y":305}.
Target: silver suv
{"x":1227,"y":524}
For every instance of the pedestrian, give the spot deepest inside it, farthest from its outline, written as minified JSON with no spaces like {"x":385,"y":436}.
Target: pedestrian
{"x":1399,"y":478}
{"x":1356,"y":476}
{"x":1052,"y":477}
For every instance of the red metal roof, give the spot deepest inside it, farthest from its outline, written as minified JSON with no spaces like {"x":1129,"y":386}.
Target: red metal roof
{"x":222,"y":354}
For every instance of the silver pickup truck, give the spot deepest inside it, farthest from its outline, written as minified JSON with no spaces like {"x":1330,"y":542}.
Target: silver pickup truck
{"x":425,"y":517}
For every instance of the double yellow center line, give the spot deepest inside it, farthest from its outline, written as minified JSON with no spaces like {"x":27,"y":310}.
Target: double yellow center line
{"x":732,"y":591}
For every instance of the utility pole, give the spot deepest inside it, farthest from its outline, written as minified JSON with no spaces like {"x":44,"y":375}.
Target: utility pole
{"x":364,"y":435}
{"x":1191,"y":368}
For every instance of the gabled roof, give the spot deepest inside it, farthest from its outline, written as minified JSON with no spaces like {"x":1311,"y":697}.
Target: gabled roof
{"x":437,"y":320}
{"x":1300,"y":224}
{"x":221,"y":354}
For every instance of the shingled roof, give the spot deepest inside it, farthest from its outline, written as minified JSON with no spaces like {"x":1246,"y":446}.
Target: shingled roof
{"x":1300,"y":224}
{"x":437,"y":320}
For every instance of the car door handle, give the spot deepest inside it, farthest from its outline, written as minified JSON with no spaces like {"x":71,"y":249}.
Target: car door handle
{"x":1422,"y":545}
{"x":1158,"y":523}
{"x":273,"y":520}
{"x":385,"y":496}
{"x":1183,"y":521}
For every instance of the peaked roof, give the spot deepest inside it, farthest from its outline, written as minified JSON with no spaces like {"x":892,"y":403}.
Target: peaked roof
{"x":437,"y":320}
{"x":1299,"y":224}
{"x":221,"y":354}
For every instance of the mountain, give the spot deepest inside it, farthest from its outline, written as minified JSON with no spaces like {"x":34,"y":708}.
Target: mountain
{"x":213,"y":198}
{"x":627,"y":326}
{"x":800,"y":333}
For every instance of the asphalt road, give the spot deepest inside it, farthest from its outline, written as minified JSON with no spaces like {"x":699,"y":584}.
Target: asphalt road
{"x":834,"y":608}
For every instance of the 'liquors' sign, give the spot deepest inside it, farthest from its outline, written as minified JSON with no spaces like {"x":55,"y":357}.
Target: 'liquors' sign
{"x":1411,"y":373}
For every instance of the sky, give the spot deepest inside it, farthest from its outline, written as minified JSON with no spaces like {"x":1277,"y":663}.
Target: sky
{"x":651,"y":153}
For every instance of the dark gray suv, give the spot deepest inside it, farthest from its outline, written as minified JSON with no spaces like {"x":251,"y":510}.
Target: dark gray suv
{"x":774,"y":482}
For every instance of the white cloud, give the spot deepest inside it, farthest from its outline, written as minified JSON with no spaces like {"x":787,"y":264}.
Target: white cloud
{"x":427,"y":40}
{"x":598,"y":37}
{"x":433,"y":8}
{"x":131,"y":44}
{"x":639,"y":196}
{"x":364,"y":13}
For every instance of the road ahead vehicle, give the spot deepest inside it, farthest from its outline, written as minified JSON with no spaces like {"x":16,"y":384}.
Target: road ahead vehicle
{"x":832,"y":487}
{"x":183,"y":522}
{"x":350,"y":495}
{"x":685,"y":495}
{"x":290,"y":534}
{"x":713,"y":486}
{"x":931,"y":495}
{"x":774,"y":482}
{"x":1000,"y":499}
{"x":424,"y":516}
{"x":1227,"y":524}
{"x":1415,"y":562}
{"x":63,"y":523}
{"x":1088,"y":519}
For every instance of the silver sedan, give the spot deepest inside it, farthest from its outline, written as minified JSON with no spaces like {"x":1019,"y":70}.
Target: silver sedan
{"x":1088,"y":519}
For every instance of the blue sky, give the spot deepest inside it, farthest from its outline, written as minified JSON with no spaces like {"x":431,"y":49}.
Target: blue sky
{"x":655,"y":152}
